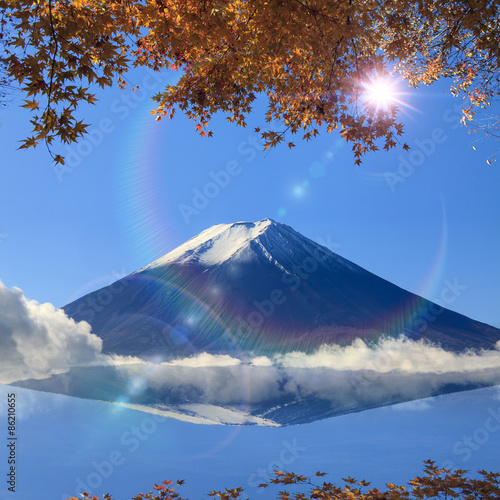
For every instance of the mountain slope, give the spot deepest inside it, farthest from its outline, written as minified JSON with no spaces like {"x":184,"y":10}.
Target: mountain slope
{"x":261,"y":288}
{"x":252,"y":323}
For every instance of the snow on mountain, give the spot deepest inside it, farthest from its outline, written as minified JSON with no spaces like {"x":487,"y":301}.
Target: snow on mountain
{"x":197,"y":413}
{"x":247,"y":241}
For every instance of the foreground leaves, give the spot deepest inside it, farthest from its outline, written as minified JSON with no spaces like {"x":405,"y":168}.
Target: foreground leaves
{"x":436,"y":483}
{"x":311,"y":59}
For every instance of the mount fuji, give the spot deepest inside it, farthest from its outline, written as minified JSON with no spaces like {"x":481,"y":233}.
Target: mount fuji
{"x":262,"y":288}
{"x":252,"y":323}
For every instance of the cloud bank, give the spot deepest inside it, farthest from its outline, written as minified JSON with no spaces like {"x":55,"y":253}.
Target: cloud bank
{"x":348,"y":378}
{"x":38,"y":340}
{"x":41,"y":348}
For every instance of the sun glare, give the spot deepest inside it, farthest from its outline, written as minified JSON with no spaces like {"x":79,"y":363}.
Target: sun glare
{"x":380,"y":93}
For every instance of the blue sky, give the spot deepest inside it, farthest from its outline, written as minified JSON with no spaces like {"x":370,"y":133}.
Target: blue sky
{"x":130,"y":193}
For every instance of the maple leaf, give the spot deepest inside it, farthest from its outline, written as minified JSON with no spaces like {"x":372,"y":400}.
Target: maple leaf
{"x":31,"y":105}
{"x":31,"y":142}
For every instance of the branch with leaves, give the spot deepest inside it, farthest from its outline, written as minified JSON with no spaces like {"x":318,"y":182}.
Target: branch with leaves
{"x":438,"y":483}
{"x":310,"y":59}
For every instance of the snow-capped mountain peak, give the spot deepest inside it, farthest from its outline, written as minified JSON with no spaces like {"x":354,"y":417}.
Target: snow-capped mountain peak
{"x":251,"y":290}
{"x":269,"y":289}
{"x":242,"y":242}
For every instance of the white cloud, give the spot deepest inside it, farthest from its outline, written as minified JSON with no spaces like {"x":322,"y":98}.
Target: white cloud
{"x":205,"y":360}
{"x":392,"y":371}
{"x":392,"y":354}
{"x":261,"y":361}
{"x":38,"y":340}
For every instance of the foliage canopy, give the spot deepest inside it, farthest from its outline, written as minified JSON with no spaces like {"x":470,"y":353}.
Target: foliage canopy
{"x":313,"y":59}
{"x":434,"y":483}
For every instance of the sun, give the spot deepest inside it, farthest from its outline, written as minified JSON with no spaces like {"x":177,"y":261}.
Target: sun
{"x":380,"y":93}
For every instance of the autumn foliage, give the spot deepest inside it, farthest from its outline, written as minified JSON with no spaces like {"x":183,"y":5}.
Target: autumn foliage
{"x":311,"y":59}
{"x":434,"y":483}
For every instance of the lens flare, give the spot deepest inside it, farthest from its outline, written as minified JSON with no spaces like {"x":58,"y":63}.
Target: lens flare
{"x":381,"y":92}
